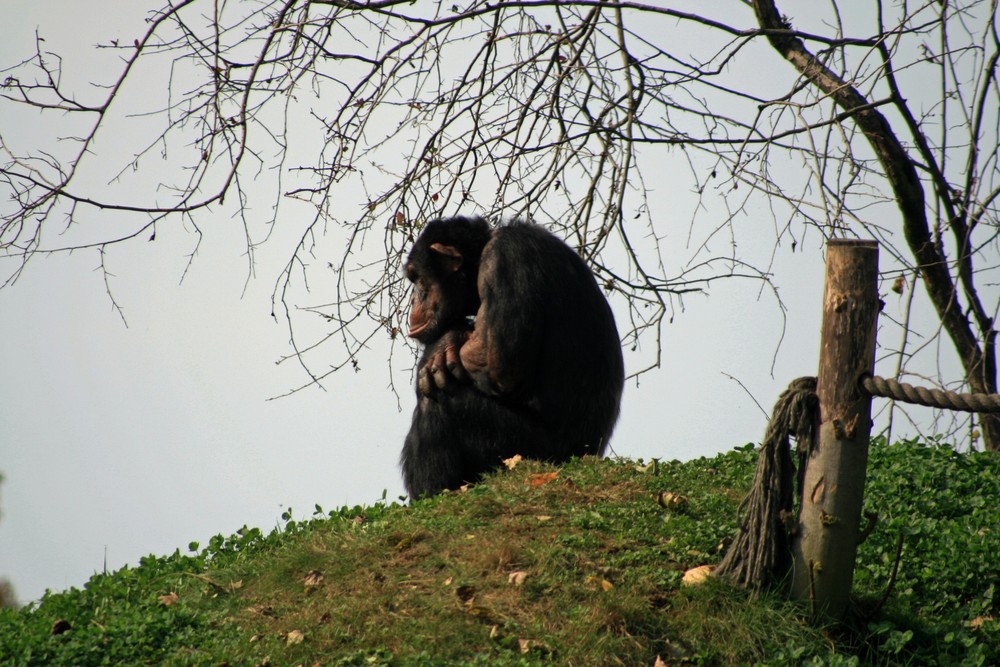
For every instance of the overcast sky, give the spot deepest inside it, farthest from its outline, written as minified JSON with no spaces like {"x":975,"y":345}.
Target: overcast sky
{"x":116,"y":442}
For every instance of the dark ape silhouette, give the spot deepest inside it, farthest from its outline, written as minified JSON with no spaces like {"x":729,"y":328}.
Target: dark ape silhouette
{"x":538,"y":373}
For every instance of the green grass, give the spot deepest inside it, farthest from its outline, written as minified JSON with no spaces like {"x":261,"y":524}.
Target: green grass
{"x":579,"y":568}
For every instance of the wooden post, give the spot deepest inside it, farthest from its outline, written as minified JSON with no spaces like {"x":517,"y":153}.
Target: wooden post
{"x":825,"y":544}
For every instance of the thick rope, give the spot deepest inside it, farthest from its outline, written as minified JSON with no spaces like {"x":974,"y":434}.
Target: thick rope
{"x":935,"y":398}
{"x":761,"y":554}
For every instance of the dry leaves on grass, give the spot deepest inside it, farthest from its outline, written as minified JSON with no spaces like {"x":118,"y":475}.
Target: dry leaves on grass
{"x":312,"y":580}
{"x":512,"y":462}
{"x":542,"y":478}
{"x":603,"y":583}
{"x":696,"y":575}
{"x":168,"y":599}
{"x":672,"y":501}
{"x":517,"y":578}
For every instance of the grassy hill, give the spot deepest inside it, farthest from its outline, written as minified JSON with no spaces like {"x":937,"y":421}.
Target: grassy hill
{"x":578,"y":565}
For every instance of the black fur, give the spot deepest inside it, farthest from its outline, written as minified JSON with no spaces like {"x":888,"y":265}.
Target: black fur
{"x":462,"y":433}
{"x":556,"y":348}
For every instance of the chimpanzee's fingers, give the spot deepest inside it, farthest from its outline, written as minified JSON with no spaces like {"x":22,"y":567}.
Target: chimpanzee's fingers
{"x":453,"y":361}
{"x":425,"y":383}
{"x":434,"y":374}
{"x":440,"y":374}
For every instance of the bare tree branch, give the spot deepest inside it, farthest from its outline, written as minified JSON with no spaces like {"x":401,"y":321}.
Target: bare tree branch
{"x":334,"y":129}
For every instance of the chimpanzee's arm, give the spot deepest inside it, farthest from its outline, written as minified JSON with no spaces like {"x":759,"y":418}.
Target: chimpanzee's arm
{"x":502,"y":350}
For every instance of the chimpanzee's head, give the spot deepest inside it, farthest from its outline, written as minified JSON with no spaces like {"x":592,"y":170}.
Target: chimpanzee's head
{"x":443,"y":266}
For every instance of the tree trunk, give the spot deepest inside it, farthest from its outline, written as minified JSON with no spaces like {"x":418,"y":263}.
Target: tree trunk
{"x":833,"y":483}
{"x":979,"y":366}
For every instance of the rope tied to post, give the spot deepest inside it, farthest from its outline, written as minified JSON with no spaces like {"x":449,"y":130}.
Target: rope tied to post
{"x":761,"y":554}
{"x":934,"y":398}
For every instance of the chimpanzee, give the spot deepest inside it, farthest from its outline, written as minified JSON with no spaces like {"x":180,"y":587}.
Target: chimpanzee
{"x":539,"y":372}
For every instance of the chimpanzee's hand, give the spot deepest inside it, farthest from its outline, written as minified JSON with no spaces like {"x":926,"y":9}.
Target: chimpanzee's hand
{"x":443,"y":364}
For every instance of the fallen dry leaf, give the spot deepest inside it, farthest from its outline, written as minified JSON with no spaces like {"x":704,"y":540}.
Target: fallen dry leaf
{"x":168,"y":599}
{"x":529,"y":645}
{"x":599,"y":581}
{"x":512,"y":462}
{"x":517,"y":578}
{"x":294,"y":637}
{"x":978,"y":621}
{"x":542,"y":478}
{"x":313,"y":580}
{"x":696,"y":575}
{"x":672,"y":501}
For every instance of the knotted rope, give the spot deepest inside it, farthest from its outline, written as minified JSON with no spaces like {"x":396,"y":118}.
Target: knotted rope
{"x":760,"y":553}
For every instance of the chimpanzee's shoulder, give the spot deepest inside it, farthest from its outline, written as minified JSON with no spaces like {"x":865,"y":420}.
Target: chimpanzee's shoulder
{"x":520,"y":233}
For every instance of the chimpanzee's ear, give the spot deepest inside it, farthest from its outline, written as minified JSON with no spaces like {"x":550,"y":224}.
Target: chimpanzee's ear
{"x":452,"y":257}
